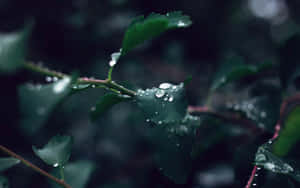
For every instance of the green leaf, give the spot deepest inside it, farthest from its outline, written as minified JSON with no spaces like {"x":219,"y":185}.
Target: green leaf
{"x":57,"y":152}
{"x":8,"y":162}
{"x":234,"y":68}
{"x":106,"y":102}
{"x":289,"y":135}
{"x":266,"y":159}
{"x":38,"y":101}
{"x":13,"y":47}
{"x":165,"y":104}
{"x":142,"y":29}
{"x":76,"y":174}
{"x":4,"y":182}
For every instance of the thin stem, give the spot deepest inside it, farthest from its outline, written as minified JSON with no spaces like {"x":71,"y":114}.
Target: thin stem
{"x":107,"y":83}
{"x":34,"y":167}
{"x":62,"y":173}
{"x":249,"y":183}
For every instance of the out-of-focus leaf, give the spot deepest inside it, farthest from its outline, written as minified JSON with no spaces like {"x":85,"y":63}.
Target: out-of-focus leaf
{"x":266,"y":159}
{"x":263,"y":110}
{"x":4,"y":182}
{"x":106,"y":102}
{"x":76,"y":174}
{"x":13,"y":47}
{"x":56,"y":152}
{"x":8,"y":162}
{"x":165,"y":104}
{"x":38,"y":101}
{"x":142,"y":29}
{"x":289,"y":135}
{"x":234,"y":68}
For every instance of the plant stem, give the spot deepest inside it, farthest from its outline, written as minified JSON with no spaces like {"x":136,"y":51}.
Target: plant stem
{"x":34,"y":167}
{"x":62,"y":173}
{"x":107,"y":83}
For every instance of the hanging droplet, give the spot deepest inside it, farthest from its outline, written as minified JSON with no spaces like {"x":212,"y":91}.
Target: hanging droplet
{"x":160,"y":93}
{"x":159,"y":122}
{"x":166,"y":98}
{"x":93,"y":86}
{"x":171,"y":99}
{"x":55,"y":165}
{"x":61,"y":85}
{"x":181,"y":24}
{"x":254,"y":184}
{"x":55,"y":79}
{"x":112,"y":63}
{"x":147,"y":120}
{"x":165,"y":86}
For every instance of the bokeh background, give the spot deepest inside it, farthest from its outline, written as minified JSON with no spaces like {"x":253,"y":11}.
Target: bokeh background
{"x":80,"y":35}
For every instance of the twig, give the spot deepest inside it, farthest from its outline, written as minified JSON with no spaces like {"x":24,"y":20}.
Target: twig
{"x":34,"y":167}
{"x":107,"y":83}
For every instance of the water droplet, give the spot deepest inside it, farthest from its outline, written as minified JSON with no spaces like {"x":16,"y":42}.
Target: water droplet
{"x":93,"y":86}
{"x":174,"y":87}
{"x":177,"y":145}
{"x":112,"y":63}
{"x":165,"y":86}
{"x":48,"y":79}
{"x":255,"y":175}
{"x":61,"y":85}
{"x":55,"y":165}
{"x":269,"y":166}
{"x":156,"y":113}
{"x":159,"y":122}
{"x":254,"y":184}
{"x":160,"y":93}
{"x":181,"y":24}
{"x":260,"y":158}
{"x":270,"y":142}
{"x":93,"y":108}
{"x":166,"y":98}
{"x":258,"y":168}
{"x":287,"y":168}
{"x":55,"y":79}
{"x":171,"y":99}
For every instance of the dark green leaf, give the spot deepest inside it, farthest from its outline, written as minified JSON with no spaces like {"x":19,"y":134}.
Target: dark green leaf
{"x":165,"y":104}
{"x":38,"y":101}
{"x":234,"y":68}
{"x":106,"y":102}
{"x":57,"y":152}
{"x":8,"y":162}
{"x":4,"y":182}
{"x":289,"y":135}
{"x":13,"y":47}
{"x":266,"y":159}
{"x":76,"y":174}
{"x":142,"y":29}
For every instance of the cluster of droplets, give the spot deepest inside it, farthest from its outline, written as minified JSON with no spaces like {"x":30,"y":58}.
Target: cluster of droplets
{"x":251,"y":111}
{"x":50,"y":79}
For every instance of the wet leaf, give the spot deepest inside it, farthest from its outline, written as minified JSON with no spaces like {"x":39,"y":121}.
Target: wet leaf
{"x":142,"y":29}
{"x":76,"y":174}
{"x":165,"y":104}
{"x":4,"y":182}
{"x":234,"y":68}
{"x":289,"y":134}
{"x":8,"y":162}
{"x":13,"y":47}
{"x":106,"y":102}
{"x":56,"y":152}
{"x":38,"y":101}
{"x":266,"y":159}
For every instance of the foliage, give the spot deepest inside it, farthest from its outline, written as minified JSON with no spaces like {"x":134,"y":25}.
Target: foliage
{"x":180,"y":136}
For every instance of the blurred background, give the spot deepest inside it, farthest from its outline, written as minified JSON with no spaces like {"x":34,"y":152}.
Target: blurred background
{"x":80,"y":35}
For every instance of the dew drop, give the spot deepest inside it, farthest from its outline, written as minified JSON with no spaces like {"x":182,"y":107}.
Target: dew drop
{"x":269,"y":166}
{"x":93,"y":109}
{"x":159,"y":122}
{"x":270,"y":142}
{"x":60,"y":86}
{"x":174,"y":87}
{"x":55,"y":79}
{"x":166,"y":98}
{"x":263,"y":114}
{"x":254,"y":184}
{"x":48,"y":78}
{"x":156,"y":113}
{"x":160,"y":93}
{"x":55,"y":165}
{"x":181,"y":24}
{"x":255,"y":175}
{"x":93,"y":86}
{"x":258,"y":168}
{"x":112,"y":63}
{"x":165,"y":86}
{"x":171,"y":99}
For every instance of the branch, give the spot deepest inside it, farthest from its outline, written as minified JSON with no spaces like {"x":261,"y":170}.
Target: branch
{"x":107,"y":83}
{"x":35,"y":168}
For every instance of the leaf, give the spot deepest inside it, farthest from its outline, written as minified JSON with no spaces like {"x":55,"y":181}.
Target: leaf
{"x":289,"y":135}
{"x":8,"y":162}
{"x":13,"y":48}
{"x":57,"y":152}
{"x":38,"y":101}
{"x":234,"y":68}
{"x":106,"y":102}
{"x":4,"y":182}
{"x":76,"y":174}
{"x":142,"y":29}
{"x":165,"y":104}
{"x":266,"y":159}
